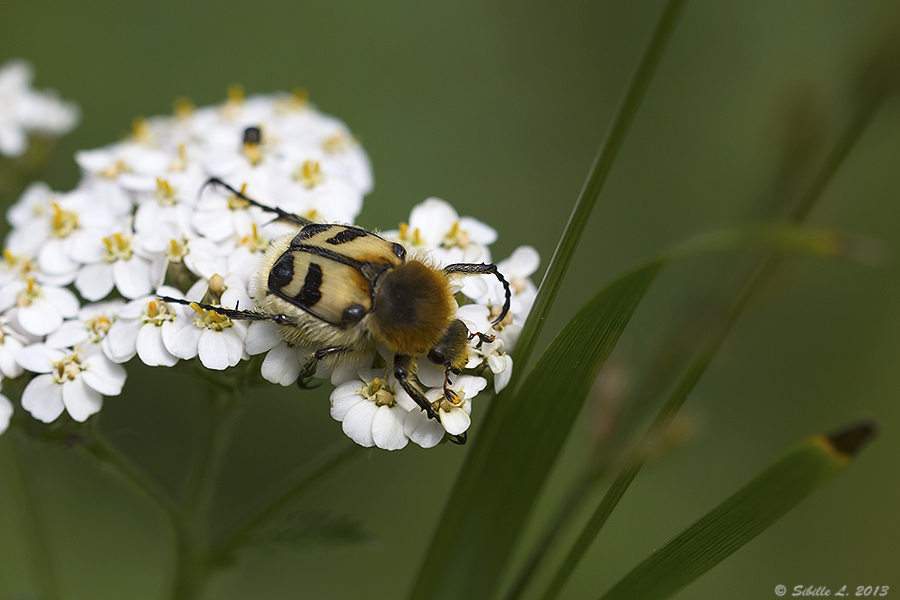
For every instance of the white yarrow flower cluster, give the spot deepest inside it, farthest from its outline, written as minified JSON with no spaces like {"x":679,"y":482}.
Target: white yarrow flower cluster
{"x":25,"y":112}
{"x":82,"y":272}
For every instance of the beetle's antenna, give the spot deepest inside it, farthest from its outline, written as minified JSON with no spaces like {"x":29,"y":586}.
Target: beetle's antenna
{"x":484,"y":269}
{"x":282,"y":214}
{"x":233,"y":313}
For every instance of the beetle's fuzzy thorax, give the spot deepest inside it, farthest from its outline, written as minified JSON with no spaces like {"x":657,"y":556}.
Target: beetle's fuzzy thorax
{"x":413,"y":307}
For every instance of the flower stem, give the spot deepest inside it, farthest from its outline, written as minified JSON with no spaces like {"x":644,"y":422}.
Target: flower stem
{"x":300,"y":485}
{"x":100,"y":447}
{"x":19,"y":488}
{"x":192,"y":564}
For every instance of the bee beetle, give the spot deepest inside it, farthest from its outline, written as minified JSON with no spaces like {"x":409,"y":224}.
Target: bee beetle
{"x":344,"y":290}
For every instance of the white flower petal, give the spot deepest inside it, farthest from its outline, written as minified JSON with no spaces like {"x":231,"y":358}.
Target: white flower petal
{"x":219,"y":350}
{"x":81,"y":401}
{"x":345,"y":396}
{"x":357,"y":423}
{"x":43,"y":398}
{"x":261,"y":336}
{"x":39,"y":318}
{"x":9,"y":351}
{"x":423,"y":431}
{"x":103,"y":375}
{"x":524,"y":261}
{"x":181,"y":339}
{"x":69,"y":334}
{"x":120,"y":342}
{"x":281,"y":365}
{"x":501,"y":379}
{"x":433,"y":218}
{"x":95,"y":281}
{"x":39,"y":358}
{"x":387,"y":428}
{"x":132,"y":277}
{"x":151,"y":349}
{"x":455,"y":421}
{"x":6,"y":411}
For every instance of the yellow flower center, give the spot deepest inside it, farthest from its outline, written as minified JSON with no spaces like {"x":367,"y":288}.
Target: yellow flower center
{"x":377,"y":391}
{"x":64,"y":222}
{"x":235,"y":202}
{"x":157,"y":313}
{"x":118,"y":247}
{"x":310,"y":173}
{"x":210,"y":319}
{"x":254,"y":242}
{"x":68,"y":368}
{"x":165,"y":193}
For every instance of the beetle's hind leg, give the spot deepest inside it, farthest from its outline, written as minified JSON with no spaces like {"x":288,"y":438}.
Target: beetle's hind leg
{"x":403,"y":370}
{"x":309,"y":368}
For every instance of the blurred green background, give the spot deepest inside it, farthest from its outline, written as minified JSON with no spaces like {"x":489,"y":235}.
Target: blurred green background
{"x":499,"y":108}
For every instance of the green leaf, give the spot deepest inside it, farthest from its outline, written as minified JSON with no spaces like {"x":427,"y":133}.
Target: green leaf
{"x":517,"y":445}
{"x":743,"y":516}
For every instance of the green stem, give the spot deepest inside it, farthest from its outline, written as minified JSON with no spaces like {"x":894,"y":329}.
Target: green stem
{"x":600,"y":168}
{"x":19,"y":488}
{"x":833,"y":161}
{"x":100,"y":447}
{"x":277,"y":507}
{"x":192,"y":560}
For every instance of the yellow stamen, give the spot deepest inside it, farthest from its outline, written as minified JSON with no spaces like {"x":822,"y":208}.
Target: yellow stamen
{"x":337,"y":143}
{"x":311,"y":174}
{"x":183,"y":108}
{"x":152,"y":309}
{"x":164,"y":188}
{"x":235,"y":202}
{"x":253,"y":152}
{"x":299,"y":97}
{"x":140,"y":129}
{"x":235,"y":93}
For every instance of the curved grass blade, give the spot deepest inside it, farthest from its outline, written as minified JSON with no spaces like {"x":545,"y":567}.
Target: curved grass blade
{"x":743,"y":516}
{"x":857,"y":125}
{"x":505,"y":470}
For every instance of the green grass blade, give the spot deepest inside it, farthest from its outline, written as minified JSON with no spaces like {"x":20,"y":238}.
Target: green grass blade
{"x":857,"y":126}
{"x":743,"y":516}
{"x":609,"y":148}
{"x":516,"y":448}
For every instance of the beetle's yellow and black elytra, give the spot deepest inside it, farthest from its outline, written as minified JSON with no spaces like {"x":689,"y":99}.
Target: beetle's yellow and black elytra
{"x":343,"y":290}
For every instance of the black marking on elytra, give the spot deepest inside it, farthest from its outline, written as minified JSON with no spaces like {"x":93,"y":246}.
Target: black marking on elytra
{"x":354,"y":313}
{"x":346,"y":235}
{"x":253,"y":135}
{"x":309,"y":231}
{"x":399,"y":251}
{"x":282,"y":272}
{"x":310,"y":292}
